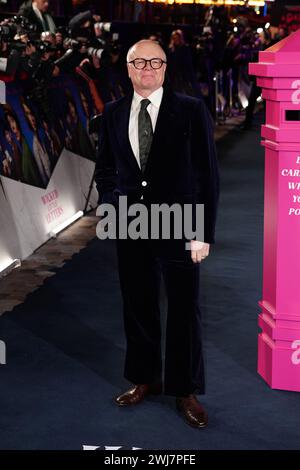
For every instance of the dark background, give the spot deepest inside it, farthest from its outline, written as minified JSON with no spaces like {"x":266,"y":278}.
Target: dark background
{"x":130,"y":10}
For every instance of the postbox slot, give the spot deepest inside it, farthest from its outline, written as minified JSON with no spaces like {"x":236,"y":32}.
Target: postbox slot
{"x":292,"y":114}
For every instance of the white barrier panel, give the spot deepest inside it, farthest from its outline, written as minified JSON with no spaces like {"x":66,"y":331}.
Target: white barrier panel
{"x":35,"y":212}
{"x":9,"y":240}
{"x":47,"y":164}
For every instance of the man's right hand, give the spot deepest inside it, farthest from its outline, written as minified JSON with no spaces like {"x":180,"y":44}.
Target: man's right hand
{"x":199,"y":251}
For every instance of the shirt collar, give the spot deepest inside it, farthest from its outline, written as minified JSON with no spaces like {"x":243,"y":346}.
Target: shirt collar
{"x":155,"y":98}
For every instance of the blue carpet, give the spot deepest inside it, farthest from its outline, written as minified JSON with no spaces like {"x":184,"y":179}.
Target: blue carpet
{"x":65,"y":344}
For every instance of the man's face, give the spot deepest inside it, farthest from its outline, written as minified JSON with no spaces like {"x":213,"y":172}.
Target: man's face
{"x":176,"y":39}
{"x":148,"y":79}
{"x":42,"y":5}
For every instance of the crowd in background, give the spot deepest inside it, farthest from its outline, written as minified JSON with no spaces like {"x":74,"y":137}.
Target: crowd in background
{"x":92,"y":49}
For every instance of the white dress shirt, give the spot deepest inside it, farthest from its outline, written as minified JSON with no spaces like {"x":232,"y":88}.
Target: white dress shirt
{"x":51,"y":25}
{"x":153,"y":109}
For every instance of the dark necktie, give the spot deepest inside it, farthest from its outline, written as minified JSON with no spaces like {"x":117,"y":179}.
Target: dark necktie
{"x":45,"y":22}
{"x":145,"y":133}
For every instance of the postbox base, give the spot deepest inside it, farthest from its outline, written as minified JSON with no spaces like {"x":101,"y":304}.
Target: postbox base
{"x":275,"y":365}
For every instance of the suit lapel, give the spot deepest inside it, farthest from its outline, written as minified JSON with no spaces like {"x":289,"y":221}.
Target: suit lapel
{"x":164,"y":123}
{"x":165,"y":119}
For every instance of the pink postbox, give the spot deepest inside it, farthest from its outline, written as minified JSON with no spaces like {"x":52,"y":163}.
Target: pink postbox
{"x":278,"y":73}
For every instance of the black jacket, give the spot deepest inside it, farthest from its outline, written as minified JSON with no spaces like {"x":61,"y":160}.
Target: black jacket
{"x":27,"y":11}
{"x":182,"y":165}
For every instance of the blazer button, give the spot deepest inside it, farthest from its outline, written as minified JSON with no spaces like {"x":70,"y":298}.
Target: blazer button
{"x":144,"y":183}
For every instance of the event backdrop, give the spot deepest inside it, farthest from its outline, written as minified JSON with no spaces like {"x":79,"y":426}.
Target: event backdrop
{"x":47,"y":160}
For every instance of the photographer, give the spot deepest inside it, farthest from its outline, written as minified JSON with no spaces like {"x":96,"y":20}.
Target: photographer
{"x":204,"y":55}
{"x":84,"y":40}
{"x":11,"y":49}
{"x":21,"y":49}
{"x":94,"y":56}
{"x":180,"y":64}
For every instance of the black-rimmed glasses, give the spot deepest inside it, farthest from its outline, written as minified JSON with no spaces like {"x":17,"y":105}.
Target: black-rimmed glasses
{"x":155,"y":63}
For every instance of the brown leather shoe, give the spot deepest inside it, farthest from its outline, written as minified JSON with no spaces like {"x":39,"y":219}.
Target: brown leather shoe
{"x":137,"y":393}
{"x":193,"y":412}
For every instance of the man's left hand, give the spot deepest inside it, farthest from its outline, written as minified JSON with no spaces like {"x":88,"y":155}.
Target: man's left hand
{"x":199,"y":251}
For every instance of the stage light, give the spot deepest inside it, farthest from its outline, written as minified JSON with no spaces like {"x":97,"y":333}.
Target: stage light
{"x":267,"y":25}
{"x":259,"y":30}
{"x":54,"y":232}
{"x":251,"y":3}
{"x":7,"y":266}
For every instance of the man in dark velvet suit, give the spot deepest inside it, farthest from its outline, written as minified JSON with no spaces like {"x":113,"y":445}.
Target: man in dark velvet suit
{"x":37,"y":13}
{"x":157,"y":147}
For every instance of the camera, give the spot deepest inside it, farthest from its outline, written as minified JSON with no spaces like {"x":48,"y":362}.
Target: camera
{"x":44,"y":46}
{"x":17,"y":25}
{"x":84,"y":37}
{"x":7,"y":32}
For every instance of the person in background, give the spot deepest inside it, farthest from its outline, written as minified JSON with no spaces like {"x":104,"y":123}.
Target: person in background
{"x":181,"y":73}
{"x":6,"y":167}
{"x":30,"y":173}
{"x":15,"y":155}
{"x":37,"y":12}
{"x":264,"y":40}
{"x":80,"y":142}
{"x":40,"y":154}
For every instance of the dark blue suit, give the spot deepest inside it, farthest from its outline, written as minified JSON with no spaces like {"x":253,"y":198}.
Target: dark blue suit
{"x":181,"y":168}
